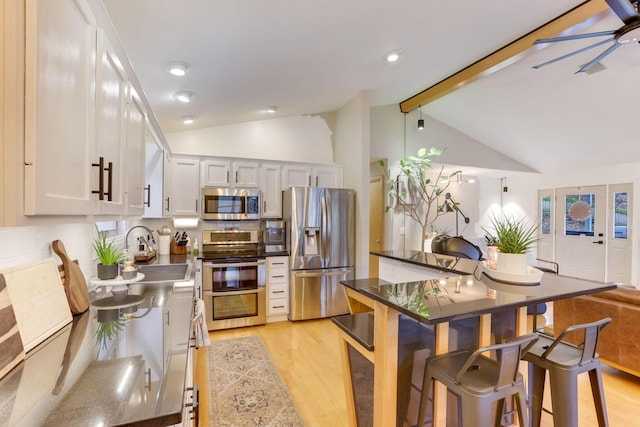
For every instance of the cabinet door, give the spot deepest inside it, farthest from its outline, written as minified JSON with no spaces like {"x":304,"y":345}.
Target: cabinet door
{"x":271,"y":191}
{"x":216,"y":173}
{"x":153,"y":189}
{"x":59,"y":107}
{"x":111,"y":84}
{"x":185,"y":193}
{"x":296,"y":176}
{"x":329,"y":176}
{"x":246,"y":175}
{"x":136,"y":129}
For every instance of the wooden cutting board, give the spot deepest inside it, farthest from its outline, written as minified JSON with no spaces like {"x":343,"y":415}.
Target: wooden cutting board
{"x":38,"y":300}
{"x":75,"y":285}
{"x":11,"y":349}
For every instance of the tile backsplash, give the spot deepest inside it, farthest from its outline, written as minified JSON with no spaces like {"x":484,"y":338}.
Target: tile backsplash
{"x":22,"y":245}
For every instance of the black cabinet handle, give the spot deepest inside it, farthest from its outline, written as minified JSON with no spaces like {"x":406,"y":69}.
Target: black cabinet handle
{"x":109,"y":170}
{"x":100,"y":166}
{"x":147,"y":202}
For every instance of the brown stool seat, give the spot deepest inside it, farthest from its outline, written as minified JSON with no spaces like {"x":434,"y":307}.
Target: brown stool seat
{"x":565,"y":362}
{"x":478,"y":381}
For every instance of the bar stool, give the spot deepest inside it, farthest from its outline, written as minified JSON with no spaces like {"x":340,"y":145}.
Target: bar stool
{"x":564,"y":362}
{"x":478,"y":381}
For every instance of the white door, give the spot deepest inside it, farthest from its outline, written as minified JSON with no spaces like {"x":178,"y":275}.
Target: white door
{"x":545,"y":246}
{"x":619,"y":240}
{"x":581,"y":231}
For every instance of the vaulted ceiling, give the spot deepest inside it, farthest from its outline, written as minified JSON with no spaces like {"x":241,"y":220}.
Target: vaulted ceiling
{"x":310,"y":57}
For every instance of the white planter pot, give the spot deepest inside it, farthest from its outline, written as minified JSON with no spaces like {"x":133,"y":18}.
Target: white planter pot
{"x":512,"y":263}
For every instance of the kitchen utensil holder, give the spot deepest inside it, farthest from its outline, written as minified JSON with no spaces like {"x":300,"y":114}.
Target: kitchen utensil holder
{"x":177,"y":250}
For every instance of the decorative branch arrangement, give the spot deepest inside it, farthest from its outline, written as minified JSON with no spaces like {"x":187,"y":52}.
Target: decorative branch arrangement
{"x":414,"y":193}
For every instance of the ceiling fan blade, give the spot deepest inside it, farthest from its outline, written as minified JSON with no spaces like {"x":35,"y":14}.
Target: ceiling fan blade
{"x":624,"y":9}
{"x":575,"y":52}
{"x":598,"y":58}
{"x":574,"y":37}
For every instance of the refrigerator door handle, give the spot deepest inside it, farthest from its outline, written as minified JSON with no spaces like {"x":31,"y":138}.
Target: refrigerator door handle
{"x":332,"y":273}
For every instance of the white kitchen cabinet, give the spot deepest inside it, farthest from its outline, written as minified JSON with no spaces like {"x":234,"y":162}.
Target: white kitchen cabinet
{"x":327,"y":176}
{"x":296,"y":175}
{"x":185,"y":187}
{"x":224,"y":173}
{"x":277,"y":288}
{"x":270,"y":190}
{"x":59,"y":107}
{"x":153,"y":171}
{"x":135,"y":131}
{"x":108,"y":174}
{"x":309,"y":175}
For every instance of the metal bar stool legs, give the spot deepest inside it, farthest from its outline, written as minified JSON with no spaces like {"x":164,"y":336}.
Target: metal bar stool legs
{"x":478,"y":381}
{"x":564,"y":363}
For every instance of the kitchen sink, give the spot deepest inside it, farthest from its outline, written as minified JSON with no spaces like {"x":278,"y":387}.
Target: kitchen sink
{"x":164,"y":272}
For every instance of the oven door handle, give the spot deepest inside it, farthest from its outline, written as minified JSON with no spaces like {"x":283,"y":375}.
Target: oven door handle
{"x":233,"y":293}
{"x":233,"y":264}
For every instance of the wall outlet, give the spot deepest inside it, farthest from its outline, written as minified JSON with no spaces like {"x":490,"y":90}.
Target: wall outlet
{"x":402,"y":231}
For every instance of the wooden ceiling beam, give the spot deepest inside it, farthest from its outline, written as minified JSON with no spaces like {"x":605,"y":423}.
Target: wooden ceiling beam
{"x":505,"y":55}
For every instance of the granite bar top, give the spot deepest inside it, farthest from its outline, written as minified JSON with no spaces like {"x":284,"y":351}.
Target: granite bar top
{"x":463,"y":296}
{"x":430,"y":260}
{"x":124,"y":365}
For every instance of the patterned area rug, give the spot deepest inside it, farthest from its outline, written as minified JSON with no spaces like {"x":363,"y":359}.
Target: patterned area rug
{"x":245,"y":387}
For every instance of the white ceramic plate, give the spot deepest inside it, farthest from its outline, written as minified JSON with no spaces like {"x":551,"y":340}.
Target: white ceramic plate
{"x":532,"y":277}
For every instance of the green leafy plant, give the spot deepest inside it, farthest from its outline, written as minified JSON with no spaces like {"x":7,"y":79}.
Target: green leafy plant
{"x":511,"y":235}
{"x":107,"y":331}
{"x":416,"y":191}
{"x":107,"y":252}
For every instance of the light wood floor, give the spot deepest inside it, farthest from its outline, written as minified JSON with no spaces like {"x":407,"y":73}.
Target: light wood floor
{"x":306,"y":354}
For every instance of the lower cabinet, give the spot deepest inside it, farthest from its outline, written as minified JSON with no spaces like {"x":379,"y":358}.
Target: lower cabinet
{"x":277,"y":288}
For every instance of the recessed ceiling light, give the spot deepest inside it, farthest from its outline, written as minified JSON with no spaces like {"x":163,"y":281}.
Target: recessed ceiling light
{"x":393,"y":56}
{"x":177,"y":68}
{"x":183,"y":96}
{"x":187,"y":120}
{"x":272,"y":109}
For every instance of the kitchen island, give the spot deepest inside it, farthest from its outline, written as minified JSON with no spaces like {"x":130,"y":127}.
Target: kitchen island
{"x":414,"y":320}
{"x":127,"y":362}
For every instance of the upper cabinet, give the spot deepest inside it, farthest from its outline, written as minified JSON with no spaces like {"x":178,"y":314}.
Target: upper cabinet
{"x":60,"y":108}
{"x":185,"y":193}
{"x":85,"y":124}
{"x":135,"y":131}
{"x":224,"y":173}
{"x":270,"y":190}
{"x":307,"y":175}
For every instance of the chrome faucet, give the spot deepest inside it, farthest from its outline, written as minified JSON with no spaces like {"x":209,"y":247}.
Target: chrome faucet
{"x":149,"y":235}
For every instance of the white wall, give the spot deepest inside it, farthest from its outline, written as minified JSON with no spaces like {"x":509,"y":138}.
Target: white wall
{"x":352,"y":151}
{"x":296,"y":139}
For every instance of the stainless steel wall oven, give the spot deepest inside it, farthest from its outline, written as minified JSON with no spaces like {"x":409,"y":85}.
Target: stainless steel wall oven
{"x":233,"y":279}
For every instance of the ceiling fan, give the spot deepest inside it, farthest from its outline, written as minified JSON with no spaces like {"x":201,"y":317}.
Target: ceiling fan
{"x":629,"y":32}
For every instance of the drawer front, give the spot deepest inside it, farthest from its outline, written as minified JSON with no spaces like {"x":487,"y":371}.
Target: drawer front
{"x":278,"y":275}
{"x":277,"y":306}
{"x":278,"y":262}
{"x":278,"y":290}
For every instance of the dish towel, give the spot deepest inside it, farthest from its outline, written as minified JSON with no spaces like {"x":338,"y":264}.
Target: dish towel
{"x":202,"y":333}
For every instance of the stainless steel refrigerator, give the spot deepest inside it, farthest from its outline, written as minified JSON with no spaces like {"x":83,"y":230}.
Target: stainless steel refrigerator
{"x":321,"y":228}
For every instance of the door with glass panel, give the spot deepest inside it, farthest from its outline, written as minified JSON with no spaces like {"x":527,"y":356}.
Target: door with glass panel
{"x":581,"y":231}
{"x":619,"y":241}
{"x":546,"y":231}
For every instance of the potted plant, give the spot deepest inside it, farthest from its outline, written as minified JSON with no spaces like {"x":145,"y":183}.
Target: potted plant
{"x":416,"y":192}
{"x":513,"y":239}
{"x":109,"y":255}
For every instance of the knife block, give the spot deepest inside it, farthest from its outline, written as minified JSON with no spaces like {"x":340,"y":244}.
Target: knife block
{"x":177,"y":250}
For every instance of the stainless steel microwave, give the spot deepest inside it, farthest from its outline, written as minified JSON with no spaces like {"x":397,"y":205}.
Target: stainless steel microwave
{"x":230,"y":203}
